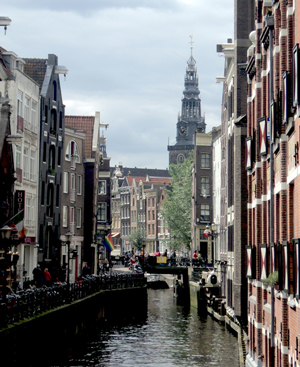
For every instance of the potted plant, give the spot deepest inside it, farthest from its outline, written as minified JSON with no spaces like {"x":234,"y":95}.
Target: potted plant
{"x":51,"y":171}
{"x":272,"y":280}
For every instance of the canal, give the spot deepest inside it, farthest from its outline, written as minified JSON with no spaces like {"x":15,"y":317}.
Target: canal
{"x":168,"y":336}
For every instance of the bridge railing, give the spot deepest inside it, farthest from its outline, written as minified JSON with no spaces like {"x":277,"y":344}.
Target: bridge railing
{"x":32,"y":302}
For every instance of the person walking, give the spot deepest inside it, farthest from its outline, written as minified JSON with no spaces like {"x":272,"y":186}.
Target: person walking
{"x":86,"y":270}
{"x":47,"y":277}
{"x":37,"y":276}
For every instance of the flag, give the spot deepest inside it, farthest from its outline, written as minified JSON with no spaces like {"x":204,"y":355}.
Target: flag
{"x":17,"y":221}
{"x":108,"y":243}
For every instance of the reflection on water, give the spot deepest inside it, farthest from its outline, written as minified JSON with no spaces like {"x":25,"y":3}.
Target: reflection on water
{"x":170,"y":336}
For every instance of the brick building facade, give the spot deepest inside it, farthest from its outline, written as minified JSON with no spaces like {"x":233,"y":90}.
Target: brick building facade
{"x":273,"y":185}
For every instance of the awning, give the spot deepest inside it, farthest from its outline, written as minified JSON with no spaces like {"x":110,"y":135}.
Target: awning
{"x":115,"y":234}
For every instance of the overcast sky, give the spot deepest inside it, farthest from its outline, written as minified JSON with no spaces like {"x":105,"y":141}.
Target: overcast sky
{"x":127,"y":59}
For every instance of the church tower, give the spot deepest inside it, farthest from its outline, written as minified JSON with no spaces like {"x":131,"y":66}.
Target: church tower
{"x":190,"y":119}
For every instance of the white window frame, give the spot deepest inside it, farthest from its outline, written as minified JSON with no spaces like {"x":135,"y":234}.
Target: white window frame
{"x":205,"y":158}
{"x":65,"y":216}
{"x":26,"y":163}
{"x":20,"y":103}
{"x":72,"y":150}
{"x":32,"y":165}
{"x":66,"y":183}
{"x":27,"y":112}
{"x":78,"y":217}
{"x":79,"y":184}
{"x":205,"y":212}
{"x":103,"y":210}
{"x":72,"y":215}
{"x":18,"y":156}
{"x":34,"y":106}
{"x":101,"y":187}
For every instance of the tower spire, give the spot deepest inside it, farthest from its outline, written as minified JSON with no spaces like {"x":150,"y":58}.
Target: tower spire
{"x":191,"y":37}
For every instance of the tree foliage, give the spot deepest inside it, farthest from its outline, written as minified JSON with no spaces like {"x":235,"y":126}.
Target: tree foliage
{"x":137,"y":238}
{"x":177,"y":208}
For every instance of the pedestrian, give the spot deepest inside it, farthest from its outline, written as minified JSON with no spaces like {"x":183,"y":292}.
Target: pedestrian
{"x":86,"y":270}
{"x":47,"y":277}
{"x":194,"y":259}
{"x":165,"y":253}
{"x":37,"y":276}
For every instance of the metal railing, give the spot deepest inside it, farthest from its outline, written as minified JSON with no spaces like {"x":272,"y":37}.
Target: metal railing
{"x":32,"y":302}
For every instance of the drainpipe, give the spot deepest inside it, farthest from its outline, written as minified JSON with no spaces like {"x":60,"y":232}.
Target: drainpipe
{"x":270,"y":24}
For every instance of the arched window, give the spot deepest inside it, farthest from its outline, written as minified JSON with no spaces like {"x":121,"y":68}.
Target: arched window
{"x":72,"y":151}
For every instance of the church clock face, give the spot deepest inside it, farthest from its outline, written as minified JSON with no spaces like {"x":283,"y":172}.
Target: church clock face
{"x":182,"y":130}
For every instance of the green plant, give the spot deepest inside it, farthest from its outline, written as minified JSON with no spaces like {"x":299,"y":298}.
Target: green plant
{"x":51,"y":170}
{"x":271,"y":280}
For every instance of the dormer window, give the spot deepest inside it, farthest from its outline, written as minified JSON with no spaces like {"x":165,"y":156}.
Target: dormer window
{"x":72,"y":151}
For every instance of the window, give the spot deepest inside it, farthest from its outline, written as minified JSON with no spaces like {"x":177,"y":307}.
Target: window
{"x":18,"y":156}
{"x":205,"y":213}
{"x":59,"y":156}
{"x":20,"y":104}
{"x":202,"y":237}
{"x":295,"y":65}
{"x":72,"y":151}
{"x":45,"y":152}
{"x":60,"y":120}
{"x":57,"y":195}
{"x":53,"y":121}
{"x":26,"y":163}
{"x":72,"y":181}
{"x":26,"y":112}
{"x":72,"y":215}
{"x":153,"y":215}
{"x":102,"y":188}
{"x":52,"y":157}
{"x":66,"y":182}
{"x":152,"y":228}
{"x":54,"y":91}
{"x":101,"y":214}
{"x":180,"y":158}
{"x":205,"y":160}
{"x":43,"y":193}
{"x":32,"y":165}
{"x":65,"y":216}
{"x":34,"y":116}
{"x":27,"y":211}
{"x":79,"y":185}
{"x":205,"y":186}
{"x":78,"y":217}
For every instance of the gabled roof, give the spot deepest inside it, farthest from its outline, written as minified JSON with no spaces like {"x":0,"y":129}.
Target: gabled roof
{"x":4,"y":65}
{"x":36,"y":69}
{"x":85,"y":123}
{"x":143,"y":172}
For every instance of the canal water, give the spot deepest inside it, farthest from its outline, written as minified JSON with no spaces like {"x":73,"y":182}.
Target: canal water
{"x":170,"y":335}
